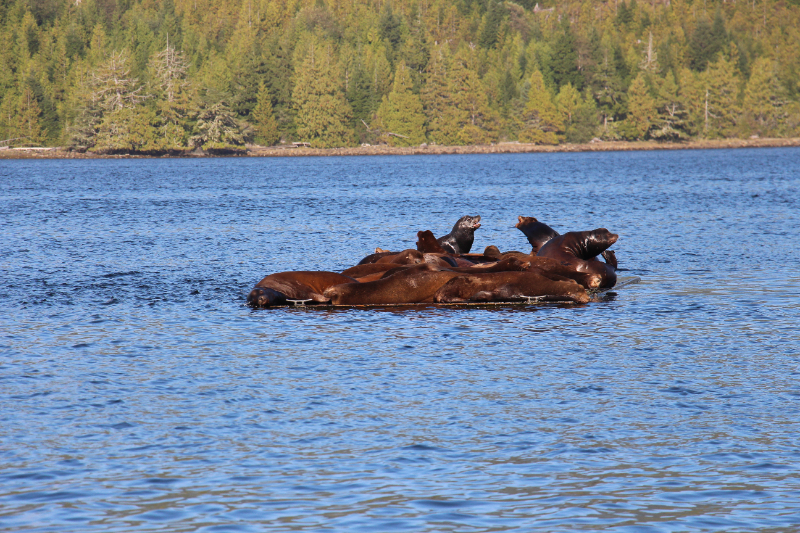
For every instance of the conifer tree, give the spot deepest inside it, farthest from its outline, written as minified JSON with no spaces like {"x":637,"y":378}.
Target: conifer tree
{"x":445,"y":119}
{"x":401,"y":112}
{"x":567,"y":102}
{"x":641,"y":110}
{"x":541,"y":119}
{"x":217,"y":129}
{"x":477,"y":123}
{"x":263,"y":118}
{"x":28,"y":120}
{"x":173,"y":107}
{"x":565,"y":58}
{"x":760,"y":98}
{"x":721,"y":106}
{"x":670,"y":121}
{"x":584,"y":122}
{"x":323,"y":113}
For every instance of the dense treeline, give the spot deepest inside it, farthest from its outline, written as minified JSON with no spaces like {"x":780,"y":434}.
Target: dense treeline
{"x":173,"y":75}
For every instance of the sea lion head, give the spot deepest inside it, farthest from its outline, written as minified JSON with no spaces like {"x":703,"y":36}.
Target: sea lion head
{"x":467,"y":223}
{"x":599,"y":240}
{"x":265,"y":297}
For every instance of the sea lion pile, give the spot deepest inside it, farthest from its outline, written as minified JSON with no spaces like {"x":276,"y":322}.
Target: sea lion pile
{"x":558,"y":268}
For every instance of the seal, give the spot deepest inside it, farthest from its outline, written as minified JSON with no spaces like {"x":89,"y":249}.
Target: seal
{"x":577,"y":250}
{"x":427,"y":243}
{"x":409,"y":285}
{"x":406,"y":257}
{"x":460,"y":239}
{"x":275,"y":289}
{"x":538,"y":233}
{"x":509,"y":287}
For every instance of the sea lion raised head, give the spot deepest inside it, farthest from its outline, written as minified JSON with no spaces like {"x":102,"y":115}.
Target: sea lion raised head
{"x":538,"y":233}
{"x":460,"y":239}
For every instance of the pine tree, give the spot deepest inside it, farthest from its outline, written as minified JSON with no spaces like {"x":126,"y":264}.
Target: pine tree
{"x":721,"y":106}
{"x":541,"y":119}
{"x":641,"y":110}
{"x":217,"y":129}
{"x":263,"y":119}
{"x":670,"y":122}
{"x":567,"y":102}
{"x":584,"y":122}
{"x":323,"y":113}
{"x":760,"y":98}
{"x":401,"y":112}
{"x":477,"y":123}
{"x":445,"y":119}
{"x":173,"y":107}
{"x":565,"y":58}
{"x":28,"y":120}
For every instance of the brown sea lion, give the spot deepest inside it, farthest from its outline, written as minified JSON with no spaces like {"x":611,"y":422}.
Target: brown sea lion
{"x":461,"y":237}
{"x":372,"y":258}
{"x":406,"y":257}
{"x":577,"y":250}
{"x":368,"y":268}
{"x":276,"y":288}
{"x":414,"y":284}
{"x":508,"y":287}
{"x":538,"y":233}
{"x":427,"y":243}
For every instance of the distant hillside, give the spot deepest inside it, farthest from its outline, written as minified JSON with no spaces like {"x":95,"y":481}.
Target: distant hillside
{"x":149,"y":76}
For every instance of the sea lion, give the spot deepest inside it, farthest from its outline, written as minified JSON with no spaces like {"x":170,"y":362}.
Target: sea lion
{"x":508,"y":287}
{"x":369,"y":268}
{"x":414,"y":284}
{"x":406,"y":257}
{"x":461,"y":237}
{"x":538,"y":233}
{"x":275,"y":289}
{"x":372,"y":258}
{"x":427,"y":243}
{"x":577,"y":250}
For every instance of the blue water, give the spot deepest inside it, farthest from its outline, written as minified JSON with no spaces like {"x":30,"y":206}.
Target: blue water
{"x":139,"y":393}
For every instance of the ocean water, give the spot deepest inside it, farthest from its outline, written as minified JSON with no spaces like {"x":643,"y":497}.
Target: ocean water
{"x":139,"y":393}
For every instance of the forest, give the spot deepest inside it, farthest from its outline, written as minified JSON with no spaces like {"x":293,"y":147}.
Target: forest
{"x":172,"y":76}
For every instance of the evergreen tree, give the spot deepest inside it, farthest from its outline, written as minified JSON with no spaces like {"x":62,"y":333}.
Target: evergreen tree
{"x":217,"y":129}
{"x":478,"y":123}
{"x":583,"y":125}
{"x":541,"y":119}
{"x":567,"y":102}
{"x":565,"y":58}
{"x":760,"y":99}
{"x":322,"y":111}
{"x":401,"y":112}
{"x":173,"y":107}
{"x":445,"y":119}
{"x":28,"y":120}
{"x":263,"y":119}
{"x":641,"y":111}
{"x":670,"y":121}
{"x":721,"y":106}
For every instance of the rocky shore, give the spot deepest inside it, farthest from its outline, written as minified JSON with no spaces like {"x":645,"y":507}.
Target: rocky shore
{"x":499,"y":148}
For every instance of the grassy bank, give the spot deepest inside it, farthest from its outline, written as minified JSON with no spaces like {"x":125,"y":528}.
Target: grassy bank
{"x":500,"y":148}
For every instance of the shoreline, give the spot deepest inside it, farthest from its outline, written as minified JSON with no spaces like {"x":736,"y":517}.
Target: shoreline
{"x":499,"y":148}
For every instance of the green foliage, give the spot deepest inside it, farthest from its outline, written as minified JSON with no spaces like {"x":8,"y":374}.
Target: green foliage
{"x":263,"y":119}
{"x":138,"y":75}
{"x":323,"y":113}
{"x":641,"y":111}
{"x":541,"y":120}
{"x":400,"y":116}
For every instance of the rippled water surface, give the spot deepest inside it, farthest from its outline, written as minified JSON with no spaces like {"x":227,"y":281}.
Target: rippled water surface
{"x":139,"y":393}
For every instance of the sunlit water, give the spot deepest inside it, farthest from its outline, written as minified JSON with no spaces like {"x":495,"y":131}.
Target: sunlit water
{"x":139,"y":393}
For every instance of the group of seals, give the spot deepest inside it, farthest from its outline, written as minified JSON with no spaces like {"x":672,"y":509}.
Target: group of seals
{"x":559,"y":268}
